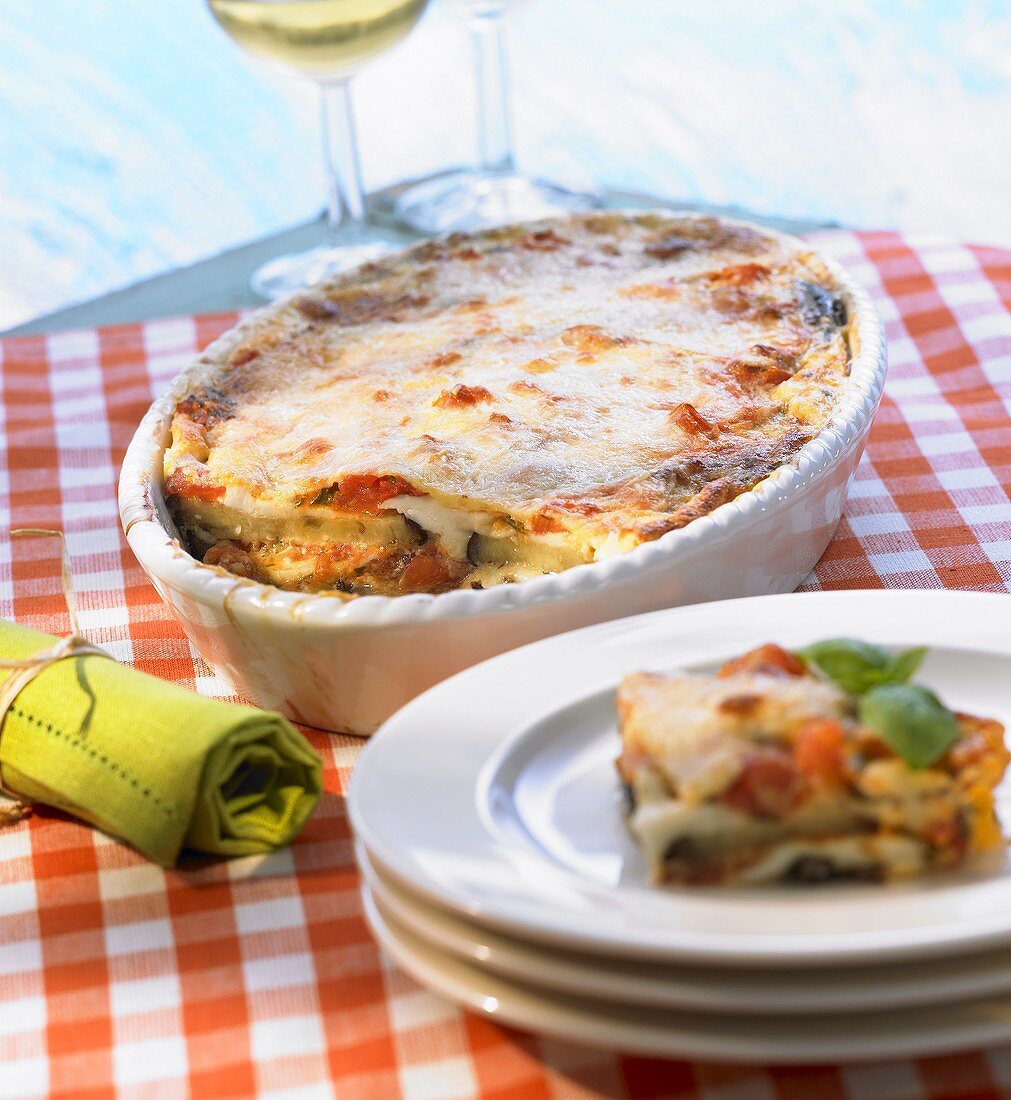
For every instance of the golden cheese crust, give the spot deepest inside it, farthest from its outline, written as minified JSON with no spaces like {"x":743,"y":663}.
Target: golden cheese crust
{"x":494,"y":406}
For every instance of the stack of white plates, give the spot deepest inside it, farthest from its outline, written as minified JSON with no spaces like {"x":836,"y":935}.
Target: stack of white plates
{"x":497,"y":869}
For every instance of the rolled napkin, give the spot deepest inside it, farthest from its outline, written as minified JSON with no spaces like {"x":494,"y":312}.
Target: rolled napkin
{"x":149,"y":762}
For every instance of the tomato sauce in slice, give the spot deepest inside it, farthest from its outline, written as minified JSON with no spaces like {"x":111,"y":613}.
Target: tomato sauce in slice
{"x":768,"y":785}
{"x":771,"y":660}
{"x":819,"y":750}
{"x":364,"y":494}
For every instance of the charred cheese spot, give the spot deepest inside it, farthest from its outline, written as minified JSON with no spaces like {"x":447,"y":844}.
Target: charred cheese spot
{"x":740,"y":274}
{"x":665,"y":292}
{"x":741,"y":705}
{"x":765,"y":366}
{"x":591,"y":338}
{"x":243,"y":356}
{"x":690,"y":420}
{"x":600,"y":223}
{"x":315,"y":308}
{"x":207,"y":408}
{"x":447,"y":359}
{"x":669,"y":248}
{"x":311,"y":449}
{"x":783,"y":357}
{"x":461,"y":396}
{"x":543,"y":240}
{"x":358,"y":307}
{"x":432,"y":252}
{"x":540,"y":366}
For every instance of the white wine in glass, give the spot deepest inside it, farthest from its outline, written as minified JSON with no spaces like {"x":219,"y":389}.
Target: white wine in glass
{"x":493,"y":192}
{"x":326,"y":41}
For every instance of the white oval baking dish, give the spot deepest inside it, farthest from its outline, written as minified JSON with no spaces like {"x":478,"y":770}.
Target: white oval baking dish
{"x":346,"y":665}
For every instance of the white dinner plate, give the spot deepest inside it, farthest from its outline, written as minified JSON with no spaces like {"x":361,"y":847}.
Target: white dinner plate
{"x":762,"y":1040}
{"x":696,"y":988}
{"x":494,"y":793}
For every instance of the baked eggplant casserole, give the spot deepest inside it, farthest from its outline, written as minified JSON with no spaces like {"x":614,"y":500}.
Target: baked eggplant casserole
{"x":492,"y":407}
{"x":805,"y":767}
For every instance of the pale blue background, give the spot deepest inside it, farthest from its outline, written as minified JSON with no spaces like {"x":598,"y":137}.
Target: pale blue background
{"x":134,"y":138}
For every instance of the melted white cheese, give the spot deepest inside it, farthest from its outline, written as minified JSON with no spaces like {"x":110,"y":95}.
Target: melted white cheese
{"x":243,"y":501}
{"x":687,"y":724}
{"x":715,"y":828}
{"x":487,"y":576}
{"x":452,"y":526}
{"x":658,"y":825}
{"x":615,"y":543}
{"x":897,"y":856}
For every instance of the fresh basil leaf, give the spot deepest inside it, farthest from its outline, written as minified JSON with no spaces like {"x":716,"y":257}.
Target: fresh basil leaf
{"x":903,"y":665}
{"x":849,"y":662}
{"x":911,"y":720}
{"x":858,"y":666}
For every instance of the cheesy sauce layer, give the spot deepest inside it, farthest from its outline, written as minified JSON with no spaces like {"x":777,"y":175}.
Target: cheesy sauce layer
{"x":495,"y":406}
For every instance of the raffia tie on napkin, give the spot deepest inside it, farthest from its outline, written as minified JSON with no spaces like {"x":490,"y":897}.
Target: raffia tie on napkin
{"x":147,"y":761}
{"x":26,"y":669}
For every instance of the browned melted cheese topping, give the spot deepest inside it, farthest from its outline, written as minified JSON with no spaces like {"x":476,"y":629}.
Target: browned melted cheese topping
{"x":490,"y":407}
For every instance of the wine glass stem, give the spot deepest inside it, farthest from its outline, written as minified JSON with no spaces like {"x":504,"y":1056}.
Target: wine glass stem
{"x":495,"y":124}
{"x":345,"y":200}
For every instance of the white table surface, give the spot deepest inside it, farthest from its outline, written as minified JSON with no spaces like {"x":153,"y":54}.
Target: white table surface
{"x":134,"y":139}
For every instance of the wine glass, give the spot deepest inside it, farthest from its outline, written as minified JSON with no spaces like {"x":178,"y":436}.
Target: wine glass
{"x":326,"y":41}
{"x":493,"y":192}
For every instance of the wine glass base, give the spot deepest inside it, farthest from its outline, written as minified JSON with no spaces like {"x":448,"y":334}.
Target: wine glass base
{"x":298,"y":270}
{"x":475,"y":200}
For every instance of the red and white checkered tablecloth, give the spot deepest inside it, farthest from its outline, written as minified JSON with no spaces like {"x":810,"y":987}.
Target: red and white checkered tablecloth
{"x":259,"y":976}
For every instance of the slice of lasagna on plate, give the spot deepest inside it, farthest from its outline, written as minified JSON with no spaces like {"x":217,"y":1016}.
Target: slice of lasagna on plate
{"x":825,"y":764}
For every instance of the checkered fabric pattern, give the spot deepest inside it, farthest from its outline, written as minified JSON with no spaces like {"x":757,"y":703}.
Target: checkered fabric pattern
{"x":258,"y":977}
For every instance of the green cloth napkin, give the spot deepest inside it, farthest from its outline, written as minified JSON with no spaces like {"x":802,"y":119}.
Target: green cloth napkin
{"x":150,"y":762}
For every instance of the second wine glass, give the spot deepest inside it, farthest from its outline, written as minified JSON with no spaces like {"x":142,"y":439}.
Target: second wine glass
{"x":493,"y":192}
